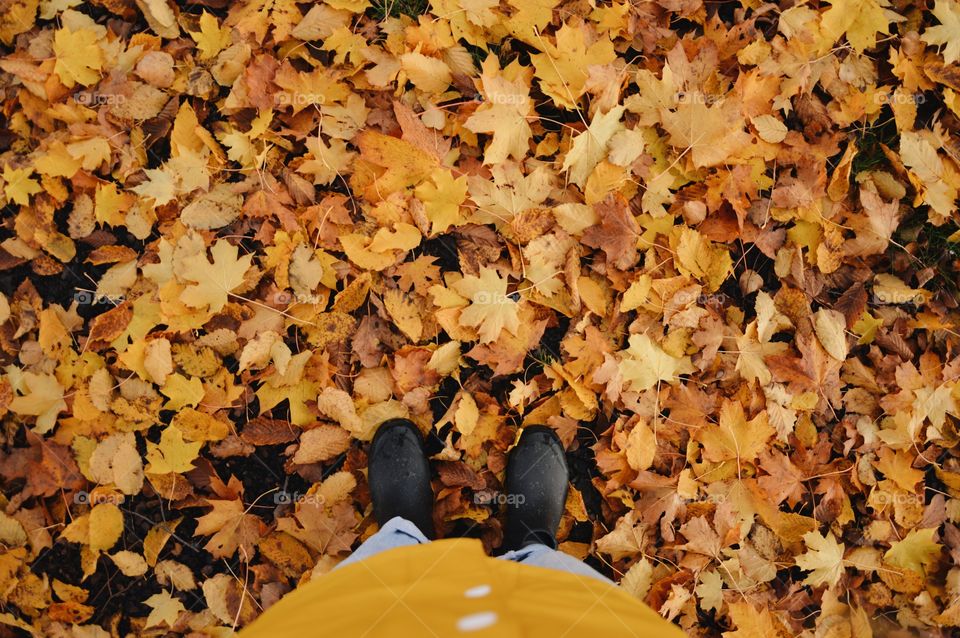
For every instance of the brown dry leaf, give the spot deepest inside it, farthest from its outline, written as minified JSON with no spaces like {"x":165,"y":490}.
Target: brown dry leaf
{"x":322,"y":443}
{"x":231,"y":527}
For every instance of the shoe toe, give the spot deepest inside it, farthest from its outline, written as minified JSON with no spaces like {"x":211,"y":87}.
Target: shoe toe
{"x":539,"y":444}
{"x":394,"y":435}
{"x":540,"y":433}
{"x":398,"y":473}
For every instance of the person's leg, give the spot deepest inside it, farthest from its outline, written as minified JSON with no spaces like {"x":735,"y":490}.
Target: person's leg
{"x":536,"y":485}
{"x":398,"y":532}
{"x":398,"y":473}
{"x":536,"y":489}
{"x":540,"y":555}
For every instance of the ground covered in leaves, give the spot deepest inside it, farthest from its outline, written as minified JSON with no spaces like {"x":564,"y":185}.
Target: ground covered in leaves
{"x":713,"y":244}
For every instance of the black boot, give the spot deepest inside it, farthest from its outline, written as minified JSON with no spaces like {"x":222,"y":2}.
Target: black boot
{"x":398,"y":473}
{"x":536,"y":487}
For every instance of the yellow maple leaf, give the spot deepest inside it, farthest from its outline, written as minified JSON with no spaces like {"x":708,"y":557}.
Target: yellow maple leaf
{"x":291,"y":385}
{"x":823,"y":558}
{"x":698,"y":257}
{"x":258,"y":16}
{"x":214,"y":281}
{"x":500,"y":200}
{"x":491,"y":308}
{"x":18,"y":186}
{"x":866,"y":327}
{"x":79,"y":58}
{"x":626,"y":539}
{"x":57,"y":161}
{"x":916,"y":552}
{"x":442,"y":196}
{"x":41,"y":396}
{"x":164,"y":608}
{"x":182,"y":391}
{"x":507,"y":105}
{"x":735,"y":438}
{"x":928,"y":173}
{"x":751,"y":351}
{"x":712,"y":132}
{"x":347,"y":45}
{"x":172,"y":454}
{"x":395,"y":165}
{"x":212,"y":38}
{"x":591,"y":146}
{"x":320,"y":87}
{"x":92,"y":152}
{"x":859,"y":20}
{"x":159,"y":185}
{"x":296,"y":395}
{"x":750,"y":622}
{"x":530,"y":17}
{"x":563,"y":67}
{"x":111,"y":205}
{"x":325,"y":162}
{"x":947,"y":32}
{"x":17,"y":18}
{"x":644,"y":364}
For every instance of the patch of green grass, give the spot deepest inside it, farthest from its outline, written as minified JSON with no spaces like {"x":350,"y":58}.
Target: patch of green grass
{"x":542,"y":353}
{"x":395,"y":8}
{"x":869,"y":152}
{"x":932,"y":249}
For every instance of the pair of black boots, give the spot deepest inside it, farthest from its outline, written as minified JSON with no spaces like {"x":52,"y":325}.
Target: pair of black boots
{"x":536,"y":485}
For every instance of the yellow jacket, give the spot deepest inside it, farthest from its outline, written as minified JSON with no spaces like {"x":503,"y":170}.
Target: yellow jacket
{"x":451,"y":588}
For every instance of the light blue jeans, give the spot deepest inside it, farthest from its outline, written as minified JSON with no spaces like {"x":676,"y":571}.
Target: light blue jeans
{"x":399,"y":532}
